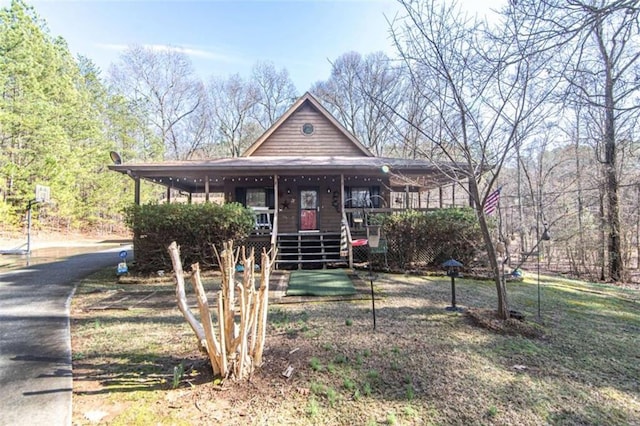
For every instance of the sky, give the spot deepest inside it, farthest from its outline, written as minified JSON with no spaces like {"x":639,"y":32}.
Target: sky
{"x":223,"y":37}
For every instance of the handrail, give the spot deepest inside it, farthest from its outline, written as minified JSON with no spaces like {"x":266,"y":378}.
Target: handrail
{"x":387,"y":209}
{"x":274,"y":230}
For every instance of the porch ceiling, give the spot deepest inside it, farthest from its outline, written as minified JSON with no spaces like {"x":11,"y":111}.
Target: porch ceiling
{"x":190,"y":176}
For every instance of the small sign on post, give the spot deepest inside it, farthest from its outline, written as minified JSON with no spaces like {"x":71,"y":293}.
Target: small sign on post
{"x":123,"y":268}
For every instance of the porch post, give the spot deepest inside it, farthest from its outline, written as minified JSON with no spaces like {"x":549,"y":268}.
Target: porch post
{"x":453,"y":194}
{"x":406,"y":197}
{"x":206,"y":189}
{"x":136,"y":191}
{"x":274,"y":226}
{"x":343,"y":215}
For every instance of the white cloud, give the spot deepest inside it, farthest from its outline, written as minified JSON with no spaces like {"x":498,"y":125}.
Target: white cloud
{"x":189,"y":51}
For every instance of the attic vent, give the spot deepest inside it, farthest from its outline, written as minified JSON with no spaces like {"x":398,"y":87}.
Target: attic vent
{"x":307,"y":129}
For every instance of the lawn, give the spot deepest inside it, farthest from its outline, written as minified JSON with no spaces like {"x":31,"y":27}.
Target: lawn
{"x":136,"y":362}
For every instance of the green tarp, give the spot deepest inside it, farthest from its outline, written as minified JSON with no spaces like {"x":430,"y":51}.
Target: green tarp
{"x":320,"y":282}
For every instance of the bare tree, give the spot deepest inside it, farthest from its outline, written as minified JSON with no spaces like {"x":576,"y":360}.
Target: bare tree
{"x":199,"y":128}
{"x":161,"y":82}
{"x":417,"y":112}
{"x":488,"y":89}
{"x":361,"y":93}
{"x":275,"y":91}
{"x":233,"y":102}
{"x":603,"y":40}
{"x":341,"y":91}
{"x":380,"y":82}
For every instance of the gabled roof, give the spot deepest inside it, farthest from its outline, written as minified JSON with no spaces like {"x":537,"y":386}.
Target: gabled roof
{"x":307,"y":98}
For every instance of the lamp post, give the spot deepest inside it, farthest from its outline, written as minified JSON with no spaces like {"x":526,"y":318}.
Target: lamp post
{"x":546,"y":236}
{"x":373,"y":238}
{"x":452,"y":267}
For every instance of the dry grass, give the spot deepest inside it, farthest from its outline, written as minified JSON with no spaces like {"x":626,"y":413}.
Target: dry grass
{"x":421,"y":365}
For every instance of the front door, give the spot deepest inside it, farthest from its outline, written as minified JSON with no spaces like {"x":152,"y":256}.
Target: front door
{"x":309,"y":209}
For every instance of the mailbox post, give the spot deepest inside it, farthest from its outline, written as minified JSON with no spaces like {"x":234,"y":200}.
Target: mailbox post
{"x":452,"y":267}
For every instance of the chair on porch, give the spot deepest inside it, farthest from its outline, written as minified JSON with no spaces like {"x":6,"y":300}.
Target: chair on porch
{"x":263,"y":219}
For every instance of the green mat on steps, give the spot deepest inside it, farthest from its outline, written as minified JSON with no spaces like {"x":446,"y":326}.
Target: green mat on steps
{"x":320,"y":282}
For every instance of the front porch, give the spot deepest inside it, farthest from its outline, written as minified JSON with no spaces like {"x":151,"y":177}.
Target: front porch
{"x":312,"y":185}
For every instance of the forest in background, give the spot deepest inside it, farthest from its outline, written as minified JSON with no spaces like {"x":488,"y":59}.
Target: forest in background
{"x":546,"y":100}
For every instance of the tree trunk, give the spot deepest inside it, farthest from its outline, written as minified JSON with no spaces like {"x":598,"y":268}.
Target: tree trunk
{"x":602,"y":249}
{"x":610,"y":161}
{"x":613,"y":210}
{"x":213,"y":347}
{"x":501,"y":290}
{"x":181,"y":297}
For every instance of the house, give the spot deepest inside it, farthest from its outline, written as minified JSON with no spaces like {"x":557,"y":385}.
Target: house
{"x":305,"y":177}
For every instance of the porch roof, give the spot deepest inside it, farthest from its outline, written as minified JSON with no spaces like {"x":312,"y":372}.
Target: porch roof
{"x":188,"y":175}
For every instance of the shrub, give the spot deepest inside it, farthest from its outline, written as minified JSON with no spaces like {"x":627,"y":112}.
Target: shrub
{"x":195,"y":227}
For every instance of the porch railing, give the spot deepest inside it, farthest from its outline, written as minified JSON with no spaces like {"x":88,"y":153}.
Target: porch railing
{"x":356,"y":217}
{"x":266,"y":223}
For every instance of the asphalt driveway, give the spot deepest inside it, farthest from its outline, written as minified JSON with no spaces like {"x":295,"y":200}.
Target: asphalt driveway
{"x":35,"y":343}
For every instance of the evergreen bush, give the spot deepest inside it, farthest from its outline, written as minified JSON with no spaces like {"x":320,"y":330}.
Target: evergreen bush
{"x":194,"y":227}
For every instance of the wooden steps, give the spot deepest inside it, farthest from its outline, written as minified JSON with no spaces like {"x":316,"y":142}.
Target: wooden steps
{"x":308,"y":250}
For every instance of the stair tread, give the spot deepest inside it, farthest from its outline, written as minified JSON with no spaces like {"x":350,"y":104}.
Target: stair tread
{"x":303,"y":255}
{"x":309,"y":248}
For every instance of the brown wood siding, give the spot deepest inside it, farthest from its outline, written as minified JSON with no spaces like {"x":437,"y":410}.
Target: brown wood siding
{"x":288,"y":217}
{"x":326,"y":140}
{"x":289,"y":205}
{"x":328,"y":216}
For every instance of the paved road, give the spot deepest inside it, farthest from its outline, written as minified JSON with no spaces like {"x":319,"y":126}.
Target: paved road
{"x":35,"y":344}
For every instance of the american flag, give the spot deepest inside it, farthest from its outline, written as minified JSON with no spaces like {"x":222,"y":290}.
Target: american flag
{"x":491,"y":203}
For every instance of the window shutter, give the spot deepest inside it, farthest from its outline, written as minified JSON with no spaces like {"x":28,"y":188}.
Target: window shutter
{"x":241,"y":195}
{"x":347,"y":196}
{"x":270,"y":198}
{"x":376,"y":201}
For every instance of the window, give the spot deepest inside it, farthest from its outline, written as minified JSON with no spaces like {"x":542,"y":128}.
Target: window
{"x":307,"y":129}
{"x":363,"y":197}
{"x":256,"y":197}
{"x":360,"y":197}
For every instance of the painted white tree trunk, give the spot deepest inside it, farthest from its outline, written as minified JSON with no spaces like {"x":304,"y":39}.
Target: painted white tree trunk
{"x":235,"y":350}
